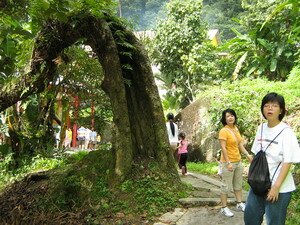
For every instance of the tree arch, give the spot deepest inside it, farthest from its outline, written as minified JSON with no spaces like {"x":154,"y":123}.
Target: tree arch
{"x":139,"y":129}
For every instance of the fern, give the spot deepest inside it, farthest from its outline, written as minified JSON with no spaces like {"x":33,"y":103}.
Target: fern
{"x":127,"y":67}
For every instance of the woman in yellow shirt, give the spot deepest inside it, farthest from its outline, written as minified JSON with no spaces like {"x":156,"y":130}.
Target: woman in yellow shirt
{"x":232,"y":168}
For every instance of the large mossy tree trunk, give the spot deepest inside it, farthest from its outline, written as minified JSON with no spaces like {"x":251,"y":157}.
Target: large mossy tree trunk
{"x":139,"y":127}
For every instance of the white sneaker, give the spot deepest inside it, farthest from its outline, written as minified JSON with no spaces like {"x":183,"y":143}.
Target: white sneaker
{"x":226,"y":212}
{"x":240,"y":206}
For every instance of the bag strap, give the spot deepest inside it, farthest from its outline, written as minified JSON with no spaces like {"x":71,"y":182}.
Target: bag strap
{"x":275,"y":171}
{"x":271,"y":141}
{"x":269,"y":145}
{"x":235,"y":137}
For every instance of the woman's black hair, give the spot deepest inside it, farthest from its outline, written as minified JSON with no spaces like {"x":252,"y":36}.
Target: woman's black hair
{"x":170,"y":117}
{"x":232,"y":112}
{"x":181,"y":135}
{"x":274,"y":97}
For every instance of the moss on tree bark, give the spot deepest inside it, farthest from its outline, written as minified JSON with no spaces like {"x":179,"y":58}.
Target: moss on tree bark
{"x":139,"y":127}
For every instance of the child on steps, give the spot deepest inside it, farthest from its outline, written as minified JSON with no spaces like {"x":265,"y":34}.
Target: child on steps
{"x":182,"y":152}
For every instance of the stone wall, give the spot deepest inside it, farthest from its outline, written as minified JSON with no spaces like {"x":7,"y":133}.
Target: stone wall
{"x":194,"y":121}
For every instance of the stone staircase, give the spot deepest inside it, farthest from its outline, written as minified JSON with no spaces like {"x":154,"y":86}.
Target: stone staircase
{"x":207,"y":191}
{"x":202,"y":207}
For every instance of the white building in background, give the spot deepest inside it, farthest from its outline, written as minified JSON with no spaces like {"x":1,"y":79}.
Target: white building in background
{"x":214,"y":36}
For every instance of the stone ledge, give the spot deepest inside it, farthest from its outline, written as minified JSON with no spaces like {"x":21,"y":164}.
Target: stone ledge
{"x":196,"y":202}
{"x":207,"y":179}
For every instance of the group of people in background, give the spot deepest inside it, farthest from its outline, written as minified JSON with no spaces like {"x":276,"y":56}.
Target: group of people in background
{"x":85,"y":139}
{"x":283,"y":151}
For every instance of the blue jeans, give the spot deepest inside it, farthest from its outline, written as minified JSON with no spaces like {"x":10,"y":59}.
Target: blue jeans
{"x":257,"y":206}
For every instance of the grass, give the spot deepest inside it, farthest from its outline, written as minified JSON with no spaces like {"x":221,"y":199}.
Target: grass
{"x":203,"y":168}
{"x":145,"y":194}
{"x":8,"y":176}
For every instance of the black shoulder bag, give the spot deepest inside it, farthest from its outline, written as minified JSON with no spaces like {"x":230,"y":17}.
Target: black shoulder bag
{"x":259,"y":175}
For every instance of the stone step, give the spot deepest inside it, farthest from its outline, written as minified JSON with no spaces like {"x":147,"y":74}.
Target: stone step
{"x":207,"y":191}
{"x":196,"y":202}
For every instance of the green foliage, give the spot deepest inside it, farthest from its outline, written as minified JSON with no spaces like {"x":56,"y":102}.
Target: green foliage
{"x":15,"y":45}
{"x":3,"y":128}
{"x":5,"y":149}
{"x":37,"y":163}
{"x":294,"y":209}
{"x":203,"y":168}
{"x":41,"y":163}
{"x":79,"y":155}
{"x":175,"y":38}
{"x":150,"y":193}
{"x":267,"y":49}
{"x":21,"y":21}
{"x":250,"y":16}
{"x":146,"y":191}
{"x":73,"y":187}
{"x":220,"y":14}
{"x":101,"y":190}
{"x":270,"y":42}
{"x":34,"y":164}
{"x":5,"y":161}
{"x":294,"y":206}
{"x":62,"y":9}
{"x":204,"y":65}
{"x":82,"y":76}
{"x":31,"y":127}
{"x":294,"y":80}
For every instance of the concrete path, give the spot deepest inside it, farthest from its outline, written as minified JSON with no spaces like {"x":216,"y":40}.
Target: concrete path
{"x":203,"y":206}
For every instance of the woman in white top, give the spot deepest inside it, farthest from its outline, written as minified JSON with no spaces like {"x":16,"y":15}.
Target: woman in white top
{"x":283,"y":151}
{"x":172,"y":129}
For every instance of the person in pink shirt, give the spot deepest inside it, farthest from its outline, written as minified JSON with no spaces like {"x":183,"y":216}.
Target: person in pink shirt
{"x":182,"y":152}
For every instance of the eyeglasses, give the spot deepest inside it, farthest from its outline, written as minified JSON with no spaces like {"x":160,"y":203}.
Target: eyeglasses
{"x":271,"y":106}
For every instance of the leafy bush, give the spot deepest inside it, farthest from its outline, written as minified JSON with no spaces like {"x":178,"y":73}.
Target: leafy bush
{"x":37,"y":163}
{"x":78,"y":155}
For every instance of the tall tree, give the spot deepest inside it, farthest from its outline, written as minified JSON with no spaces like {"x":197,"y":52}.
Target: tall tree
{"x":139,"y":130}
{"x":175,"y":38}
{"x":139,"y":142}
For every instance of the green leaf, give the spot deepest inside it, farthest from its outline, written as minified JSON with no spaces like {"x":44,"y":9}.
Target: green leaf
{"x":10,"y":47}
{"x":251,"y":71}
{"x":273,"y":65}
{"x":280,"y":49}
{"x":263,"y":42}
